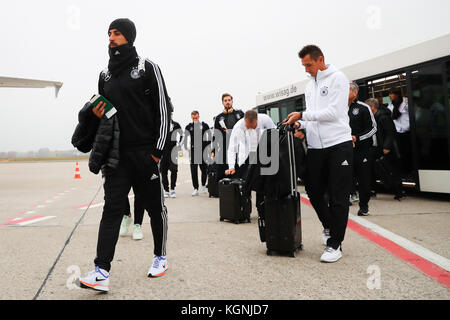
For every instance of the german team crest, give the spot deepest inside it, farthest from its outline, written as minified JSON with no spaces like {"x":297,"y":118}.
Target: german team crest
{"x":107,"y":76}
{"x":135,"y":73}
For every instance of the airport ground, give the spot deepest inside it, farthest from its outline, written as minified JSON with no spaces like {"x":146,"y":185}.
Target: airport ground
{"x":48,"y":234}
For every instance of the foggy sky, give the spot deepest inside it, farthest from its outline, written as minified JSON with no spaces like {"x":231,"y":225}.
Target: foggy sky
{"x":204,"y":48}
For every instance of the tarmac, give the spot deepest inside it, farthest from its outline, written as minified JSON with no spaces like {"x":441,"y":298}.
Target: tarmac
{"x":48,"y":233}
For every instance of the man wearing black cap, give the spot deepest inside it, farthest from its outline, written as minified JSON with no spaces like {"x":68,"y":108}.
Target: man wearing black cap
{"x":141,"y":100}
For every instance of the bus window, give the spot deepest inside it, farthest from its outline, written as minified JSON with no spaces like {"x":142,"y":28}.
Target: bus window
{"x":274,"y":114}
{"x":380,"y":87}
{"x":431,"y":118}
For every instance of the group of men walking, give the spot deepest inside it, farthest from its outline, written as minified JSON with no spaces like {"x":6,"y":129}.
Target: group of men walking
{"x":339,"y":132}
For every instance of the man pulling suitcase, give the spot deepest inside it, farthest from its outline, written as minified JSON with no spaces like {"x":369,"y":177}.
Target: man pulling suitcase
{"x":242,"y":150}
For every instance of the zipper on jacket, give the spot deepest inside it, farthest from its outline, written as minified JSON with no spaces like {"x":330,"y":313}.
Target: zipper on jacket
{"x":315,"y":103}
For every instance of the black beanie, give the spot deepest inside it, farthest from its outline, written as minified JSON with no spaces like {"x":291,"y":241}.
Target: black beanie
{"x":126,"y":27}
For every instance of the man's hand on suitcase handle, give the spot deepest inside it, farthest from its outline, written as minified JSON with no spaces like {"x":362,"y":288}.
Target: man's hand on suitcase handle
{"x":230,"y":171}
{"x":292,"y":119}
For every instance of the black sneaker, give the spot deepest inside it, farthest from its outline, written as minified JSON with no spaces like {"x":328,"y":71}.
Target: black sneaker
{"x":398,"y":197}
{"x":363,"y":213}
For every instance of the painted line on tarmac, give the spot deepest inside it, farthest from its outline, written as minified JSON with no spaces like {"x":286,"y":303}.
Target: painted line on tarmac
{"x":65,"y":245}
{"x":433,"y":265}
{"x":95,"y":205}
{"x":25,"y":221}
{"x":99,"y":204}
{"x":30,"y":220}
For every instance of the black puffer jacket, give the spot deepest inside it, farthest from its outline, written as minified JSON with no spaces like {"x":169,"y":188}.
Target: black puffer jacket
{"x":100,"y":136}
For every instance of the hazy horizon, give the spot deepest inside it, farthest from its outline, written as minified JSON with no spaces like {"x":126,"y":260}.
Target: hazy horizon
{"x":204,"y":48}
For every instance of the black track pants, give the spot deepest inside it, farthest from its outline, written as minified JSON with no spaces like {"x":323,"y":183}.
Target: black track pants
{"x":194,"y":174}
{"x":330,"y":173}
{"x":166,"y":166}
{"x":137,"y":169}
{"x":363,"y":164}
{"x":138,"y":212}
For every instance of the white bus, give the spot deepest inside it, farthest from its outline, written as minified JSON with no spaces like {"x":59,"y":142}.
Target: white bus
{"x":422,"y":72}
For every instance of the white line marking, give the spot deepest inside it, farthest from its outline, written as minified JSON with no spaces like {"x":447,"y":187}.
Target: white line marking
{"x":415,"y":248}
{"x":34,"y":221}
{"x":429,"y":255}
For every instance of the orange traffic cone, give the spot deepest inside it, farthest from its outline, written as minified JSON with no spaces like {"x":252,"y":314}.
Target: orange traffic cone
{"x":77,"y":172}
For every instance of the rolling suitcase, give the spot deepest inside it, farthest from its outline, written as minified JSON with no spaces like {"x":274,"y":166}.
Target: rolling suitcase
{"x":234,"y":203}
{"x":282,"y":216}
{"x":213,"y":186}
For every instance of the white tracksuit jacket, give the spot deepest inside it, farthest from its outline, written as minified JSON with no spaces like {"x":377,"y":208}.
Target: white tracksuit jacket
{"x":326,"y":118}
{"x":243,"y":140}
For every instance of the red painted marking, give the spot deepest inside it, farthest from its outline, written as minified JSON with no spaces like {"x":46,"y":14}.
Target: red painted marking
{"x":430,"y":269}
{"x":306,"y":201}
{"x":20,"y":221}
{"x":86,"y":205}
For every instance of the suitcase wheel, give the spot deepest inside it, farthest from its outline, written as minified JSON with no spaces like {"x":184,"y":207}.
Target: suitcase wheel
{"x":292,"y":254}
{"x":301,"y":247}
{"x":269,"y":252}
{"x":249,"y":221}
{"x":236,"y":222}
{"x":222,"y":219}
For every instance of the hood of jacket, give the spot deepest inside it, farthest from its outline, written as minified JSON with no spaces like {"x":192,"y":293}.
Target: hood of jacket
{"x":322,"y":74}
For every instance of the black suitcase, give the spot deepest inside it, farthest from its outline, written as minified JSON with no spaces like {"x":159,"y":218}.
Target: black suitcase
{"x":213,"y":185}
{"x":235,"y":203}
{"x":282,"y":214}
{"x":385,"y":172}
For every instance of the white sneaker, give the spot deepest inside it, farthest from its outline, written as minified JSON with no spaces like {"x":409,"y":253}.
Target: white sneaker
{"x":158,"y":267}
{"x":137,"y":232}
{"x":204,"y":190}
{"x":195,"y":193}
{"x":125,"y":225}
{"x":166,"y":194}
{"x":325,"y":236}
{"x":331,"y":255}
{"x":96,"y":280}
{"x":173,"y":194}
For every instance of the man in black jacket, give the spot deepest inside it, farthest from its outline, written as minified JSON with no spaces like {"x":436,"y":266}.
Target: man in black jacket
{"x":386,"y":149}
{"x":199,"y":134}
{"x":363,"y":127}
{"x":144,"y":125}
{"x":169,"y":161}
{"x":223,"y":125}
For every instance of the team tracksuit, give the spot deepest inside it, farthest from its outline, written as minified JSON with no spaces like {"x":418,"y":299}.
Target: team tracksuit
{"x":144,"y":125}
{"x":169,"y":160}
{"x":221,"y":138}
{"x":330,"y":150}
{"x":199,"y":134}
{"x":363,"y":127}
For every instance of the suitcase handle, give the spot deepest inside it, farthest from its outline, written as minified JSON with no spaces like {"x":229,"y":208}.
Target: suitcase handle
{"x":292,"y":166}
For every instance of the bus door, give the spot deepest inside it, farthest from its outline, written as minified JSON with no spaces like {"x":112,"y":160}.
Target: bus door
{"x":429,"y":101}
